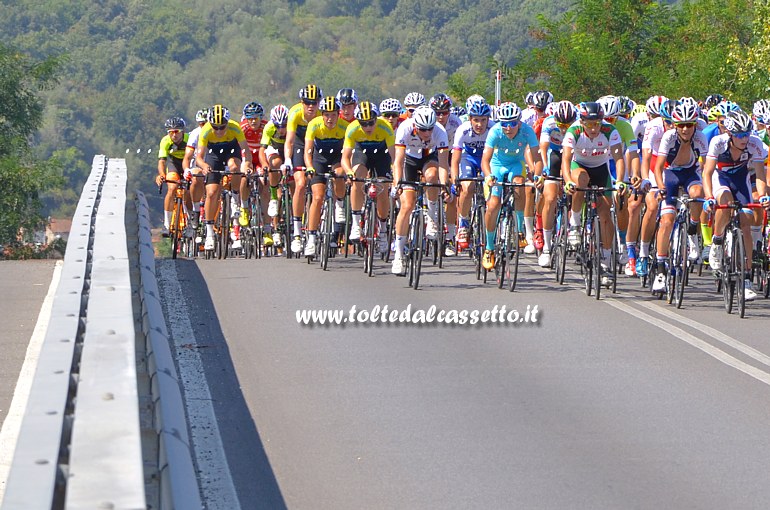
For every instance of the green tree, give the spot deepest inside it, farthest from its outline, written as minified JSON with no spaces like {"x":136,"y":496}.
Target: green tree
{"x":24,"y":177}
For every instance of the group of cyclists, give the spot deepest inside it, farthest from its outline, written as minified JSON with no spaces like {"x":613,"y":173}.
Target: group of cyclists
{"x":638,"y":155}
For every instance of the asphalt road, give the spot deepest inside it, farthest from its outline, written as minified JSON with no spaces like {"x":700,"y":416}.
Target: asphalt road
{"x":23,"y":286}
{"x":621,"y":403}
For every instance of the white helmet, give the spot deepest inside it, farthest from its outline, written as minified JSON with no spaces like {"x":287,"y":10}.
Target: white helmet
{"x":508,"y":112}
{"x":414,"y":99}
{"x":424,"y":117}
{"x":279,"y":115}
{"x":610,"y":105}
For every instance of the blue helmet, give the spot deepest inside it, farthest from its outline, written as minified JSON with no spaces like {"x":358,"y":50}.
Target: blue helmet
{"x":479,"y":109}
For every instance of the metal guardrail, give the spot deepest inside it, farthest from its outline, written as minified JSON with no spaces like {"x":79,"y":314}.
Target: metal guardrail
{"x":80,"y":442}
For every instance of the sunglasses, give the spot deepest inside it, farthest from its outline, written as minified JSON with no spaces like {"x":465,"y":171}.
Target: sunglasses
{"x":411,"y":110}
{"x":218,"y":127}
{"x":424,"y":129}
{"x":591,"y":123}
{"x":509,"y":123}
{"x":280,"y":126}
{"x":307,"y":102}
{"x":390,"y":115}
{"x":442,"y":112}
{"x":562,"y":126}
{"x":174,"y":131}
{"x":741,"y":136}
{"x":685,"y":124}
{"x":611,"y":120}
{"x":368,"y":123}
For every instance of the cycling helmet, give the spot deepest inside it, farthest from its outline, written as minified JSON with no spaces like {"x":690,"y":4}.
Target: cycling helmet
{"x":219,"y":115}
{"x":424,"y":117}
{"x":329,"y":104}
{"x":761,"y":111}
{"x":565,"y":112}
{"x":480,"y":110}
{"x":627,"y":105}
{"x":475,"y":98}
{"x":685,"y":111}
{"x":414,"y":99}
{"x":610,"y":105}
{"x":726,"y":107}
{"x":460,"y":110}
{"x":175,"y":123}
{"x":654,"y":103}
{"x":738,"y":121}
{"x":508,"y":112}
{"x":390,"y":105}
{"x":690,"y":101}
{"x":279,"y":115}
{"x":541,"y":99}
{"x":440,"y":102}
{"x":590,"y":110}
{"x":202,"y":115}
{"x":640,"y":108}
{"x":713,"y":100}
{"x":529,"y":98}
{"x":347,"y":96}
{"x":366,"y":111}
{"x":667,"y":108}
{"x":253,"y":110}
{"x":311,"y":92}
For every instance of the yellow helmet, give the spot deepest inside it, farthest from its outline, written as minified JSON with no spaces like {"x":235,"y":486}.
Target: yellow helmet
{"x":329,"y":104}
{"x":310,"y":93}
{"x":219,"y":115}
{"x":366,"y":111}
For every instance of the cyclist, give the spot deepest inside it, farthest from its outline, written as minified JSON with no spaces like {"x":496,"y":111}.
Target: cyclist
{"x":390,"y":109}
{"x":442,"y":105}
{"x":197,"y":188}
{"x":368,"y":149}
{"x":294,"y":153}
{"x":677,"y":165}
{"x":323,"y":152}
{"x":172,"y":150}
{"x":421,"y":149}
{"x":653,"y":132}
{"x":588,"y":147}
{"x":271,"y":153}
{"x":252,"y":125}
{"x":467,"y":150}
{"x":612,"y":109}
{"x":221,"y":147}
{"x":529,"y":115}
{"x":510,"y":145}
{"x":726,"y":178}
{"x":348,"y":99}
{"x":551,"y":138}
{"x":541,"y":100}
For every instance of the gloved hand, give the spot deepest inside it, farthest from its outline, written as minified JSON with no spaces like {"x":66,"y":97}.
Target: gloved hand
{"x":621,"y":187}
{"x":709,"y":205}
{"x":286,"y":168}
{"x":489,"y":180}
{"x":765,"y":201}
{"x":394,"y":191}
{"x":570,"y":187}
{"x":645,"y":185}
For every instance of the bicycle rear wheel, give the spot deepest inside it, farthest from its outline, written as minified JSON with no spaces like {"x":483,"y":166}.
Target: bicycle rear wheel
{"x":370,"y":240}
{"x":501,"y":255}
{"x":441,"y":233}
{"x":679,"y":263}
{"x":224,"y":227}
{"x":391,"y":229}
{"x":597,"y":257}
{"x":477,"y":239}
{"x":327,"y":231}
{"x":175,"y":227}
{"x":559,"y":247}
{"x":727,"y":281}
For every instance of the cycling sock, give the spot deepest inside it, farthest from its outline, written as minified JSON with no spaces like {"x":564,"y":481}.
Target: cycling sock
{"x":209,"y":229}
{"x":273,"y":192}
{"x":433,"y":209}
{"x":383,"y":225}
{"x":644,"y":249}
{"x":196,"y":206}
{"x":631,"y":250}
{"x":463,"y":221}
{"x":529,"y":225}
{"x":622,"y":236}
{"x":451,"y":230}
{"x":574,"y":219}
{"x":717,"y":240}
{"x":520,"y":220}
{"x":692,"y":227}
{"x":547,"y":239}
{"x":356,"y":217}
{"x":166,"y":218}
{"x":707,"y":232}
{"x":297,"y":225}
{"x":606,"y":254}
{"x":756,"y":234}
{"x":490,"y":240}
{"x":400,"y":243}
{"x":539,"y":221}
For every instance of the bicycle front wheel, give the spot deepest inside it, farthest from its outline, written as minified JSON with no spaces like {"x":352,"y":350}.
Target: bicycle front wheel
{"x":175,"y":227}
{"x":679,"y":263}
{"x":513,"y":249}
{"x":370,"y":220}
{"x":739,"y":262}
{"x":597,"y":257}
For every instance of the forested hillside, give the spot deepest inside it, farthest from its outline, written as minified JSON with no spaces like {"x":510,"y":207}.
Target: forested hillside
{"x":129,"y":65}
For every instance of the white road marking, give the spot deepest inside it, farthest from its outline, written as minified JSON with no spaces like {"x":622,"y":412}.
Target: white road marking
{"x":9,"y":434}
{"x":218,"y":490}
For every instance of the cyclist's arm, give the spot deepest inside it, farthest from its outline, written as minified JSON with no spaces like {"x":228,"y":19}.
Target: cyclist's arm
{"x":443,"y":162}
{"x":187,"y":160}
{"x":632,"y":166}
{"x":288,"y":146}
{"x":486,"y":161}
{"x":308,"y":156}
{"x":659,"y":162}
{"x":759,"y":169}
{"x":566,"y":161}
{"x":534,"y":161}
{"x":248,"y":160}
{"x":708,"y":171}
{"x":263,"y":157}
{"x":398,"y":163}
{"x":347,"y":160}
{"x":544,"y":145}
{"x":457,"y":155}
{"x":620,"y":163}
{"x":161,"y":172}
{"x":645,"y":167}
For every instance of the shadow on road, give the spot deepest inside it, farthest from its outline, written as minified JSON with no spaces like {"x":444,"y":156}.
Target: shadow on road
{"x":250,"y":468}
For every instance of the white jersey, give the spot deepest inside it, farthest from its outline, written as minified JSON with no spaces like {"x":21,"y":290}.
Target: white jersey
{"x":591,"y":152}
{"x":638,"y":123}
{"x":700,"y":124}
{"x":529,"y":116}
{"x":551,"y":133}
{"x":192,"y":139}
{"x":452,"y":124}
{"x":468,"y":141}
{"x":653,"y":133}
{"x":719,"y":150}
{"x":406,"y":136}
{"x":670,"y":145}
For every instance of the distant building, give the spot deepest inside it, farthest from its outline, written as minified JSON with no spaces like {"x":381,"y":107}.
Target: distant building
{"x":57,"y":229}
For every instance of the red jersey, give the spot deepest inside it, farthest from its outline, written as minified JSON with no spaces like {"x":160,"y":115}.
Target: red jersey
{"x":253,"y":138}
